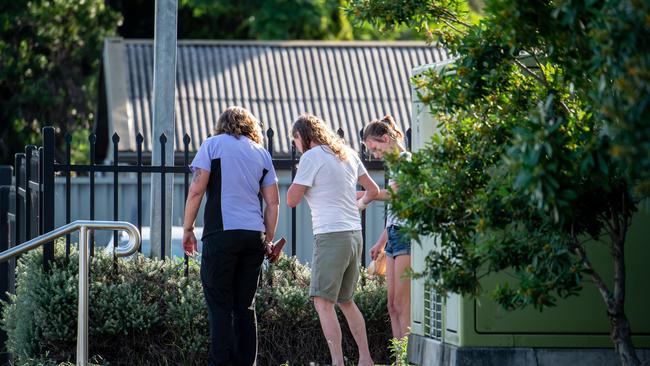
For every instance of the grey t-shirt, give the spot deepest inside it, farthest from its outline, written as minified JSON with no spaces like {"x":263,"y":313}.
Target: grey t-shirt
{"x":238,"y":168}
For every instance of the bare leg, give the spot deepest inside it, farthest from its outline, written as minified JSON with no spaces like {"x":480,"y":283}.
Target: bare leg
{"x":402,"y":294}
{"x":331,"y":328}
{"x":390,"y":303}
{"x":358,"y":328}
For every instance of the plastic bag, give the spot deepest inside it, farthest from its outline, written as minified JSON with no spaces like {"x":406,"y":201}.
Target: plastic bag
{"x":378,"y":266}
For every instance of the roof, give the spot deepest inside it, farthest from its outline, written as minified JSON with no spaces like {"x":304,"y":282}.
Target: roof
{"x":345,"y":83}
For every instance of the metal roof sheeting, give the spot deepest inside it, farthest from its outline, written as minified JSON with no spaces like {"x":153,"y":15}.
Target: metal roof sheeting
{"x":345,"y":83}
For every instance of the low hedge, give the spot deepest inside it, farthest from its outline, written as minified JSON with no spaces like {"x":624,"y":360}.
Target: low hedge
{"x":146,"y":312}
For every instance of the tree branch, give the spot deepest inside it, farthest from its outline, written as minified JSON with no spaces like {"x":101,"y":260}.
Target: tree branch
{"x":616,"y":224}
{"x":609,"y":229}
{"x":452,"y":27}
{"x":531,"y":72}
{"x":450,"y":16}
{"x":600,"y":284}
{"x":539,"y":64}
{"x":544,"y":82}
{"x":598,"y":280}
{"x":619,"y":219}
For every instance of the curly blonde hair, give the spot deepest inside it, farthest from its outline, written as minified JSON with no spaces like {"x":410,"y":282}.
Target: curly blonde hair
{"x":311,"y":128}
{"x":380,"y":127}
{"x":238,"y":121}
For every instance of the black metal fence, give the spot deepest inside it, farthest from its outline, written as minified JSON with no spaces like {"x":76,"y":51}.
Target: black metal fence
{"x":27,"y":202}
{"x":27,"y":191}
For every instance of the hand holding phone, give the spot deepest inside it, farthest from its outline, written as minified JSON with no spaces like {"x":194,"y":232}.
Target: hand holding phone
{"x":276,"y":250}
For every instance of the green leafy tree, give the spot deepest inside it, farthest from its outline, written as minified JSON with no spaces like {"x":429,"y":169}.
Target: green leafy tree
{"x":275,"y":20}
{"x":49,"y":58}
{"x":543,"y":146}
{"x":250,"y":19}
{"x":50,"y":52}
{"x":265,"y":20}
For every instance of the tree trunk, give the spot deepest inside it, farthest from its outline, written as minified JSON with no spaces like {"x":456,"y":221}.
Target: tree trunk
{"x":621,"y":333}
{"x":622,"y":339}
{"x":617,"y":224}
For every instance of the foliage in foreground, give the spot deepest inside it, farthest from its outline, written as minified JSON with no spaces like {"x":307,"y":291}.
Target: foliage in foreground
{"x":543,"y":145}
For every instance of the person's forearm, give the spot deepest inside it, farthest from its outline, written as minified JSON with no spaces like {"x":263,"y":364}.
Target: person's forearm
{"x":370,"y":195}
{"x":383,"y":238}
{"x":271,"y":220}
{"x":191,"y":210}
{"x":383,"y":195}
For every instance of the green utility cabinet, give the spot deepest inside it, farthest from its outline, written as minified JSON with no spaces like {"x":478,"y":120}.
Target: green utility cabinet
{"x":577,"y":322}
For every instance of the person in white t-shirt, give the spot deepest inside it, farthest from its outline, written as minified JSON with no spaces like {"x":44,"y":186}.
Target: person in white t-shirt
{"x":327,"y":177}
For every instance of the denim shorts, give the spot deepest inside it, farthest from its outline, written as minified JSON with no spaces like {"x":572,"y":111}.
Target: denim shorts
{"x":398,"y":243}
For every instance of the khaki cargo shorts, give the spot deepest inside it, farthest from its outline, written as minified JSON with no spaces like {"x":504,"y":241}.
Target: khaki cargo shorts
{"x":335,"y":265}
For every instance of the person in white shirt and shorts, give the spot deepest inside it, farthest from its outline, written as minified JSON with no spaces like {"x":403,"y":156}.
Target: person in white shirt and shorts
{"x":327,"y":176}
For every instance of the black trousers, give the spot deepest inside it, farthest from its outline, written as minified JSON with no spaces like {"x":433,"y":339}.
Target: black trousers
{"x":230,"y":271}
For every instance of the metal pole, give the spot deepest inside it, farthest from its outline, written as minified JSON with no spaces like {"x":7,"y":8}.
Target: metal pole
{"x":130,"y":248}
{"x":164,"y":82}
{"x":84,"y":227}
{"x":29,"y":149}
{"x":293,"y":209}
{"x":363,"y":213}
{"x":48,"y":191}
{"x":20,"y":159}
{"x":84,"y":257}
{"x":92,"y":140}
{"x":6,"y":173}
{"x":82,"y":310}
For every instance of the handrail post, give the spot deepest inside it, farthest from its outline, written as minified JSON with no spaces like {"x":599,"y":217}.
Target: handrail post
{"x":86,"y":229}
{"x":82,"y":311}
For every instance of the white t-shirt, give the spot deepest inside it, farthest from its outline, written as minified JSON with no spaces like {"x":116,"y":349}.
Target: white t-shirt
{"x":391,"y":219}
{"x":332,"y":189}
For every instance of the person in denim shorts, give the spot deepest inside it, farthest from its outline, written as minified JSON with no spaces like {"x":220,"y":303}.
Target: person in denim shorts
{"x":383,"y":137}
{"x":327,"y":177}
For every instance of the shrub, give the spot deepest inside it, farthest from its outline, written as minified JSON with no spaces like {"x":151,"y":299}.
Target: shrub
{"x":146,"y":312}
{"x":399,"y":351}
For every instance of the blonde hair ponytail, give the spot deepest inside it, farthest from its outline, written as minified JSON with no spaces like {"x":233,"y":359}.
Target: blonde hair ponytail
{"x":380,"y":127}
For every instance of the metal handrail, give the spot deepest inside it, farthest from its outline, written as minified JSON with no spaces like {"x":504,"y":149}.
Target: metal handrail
{"x":84,"y":227}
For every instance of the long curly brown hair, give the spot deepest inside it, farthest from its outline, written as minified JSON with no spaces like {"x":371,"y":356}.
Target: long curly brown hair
{"x":238,"y":121}
{"x":311,"y":128}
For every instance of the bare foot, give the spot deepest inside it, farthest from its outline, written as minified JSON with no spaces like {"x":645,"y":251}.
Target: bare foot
{"x":366,"y":361}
